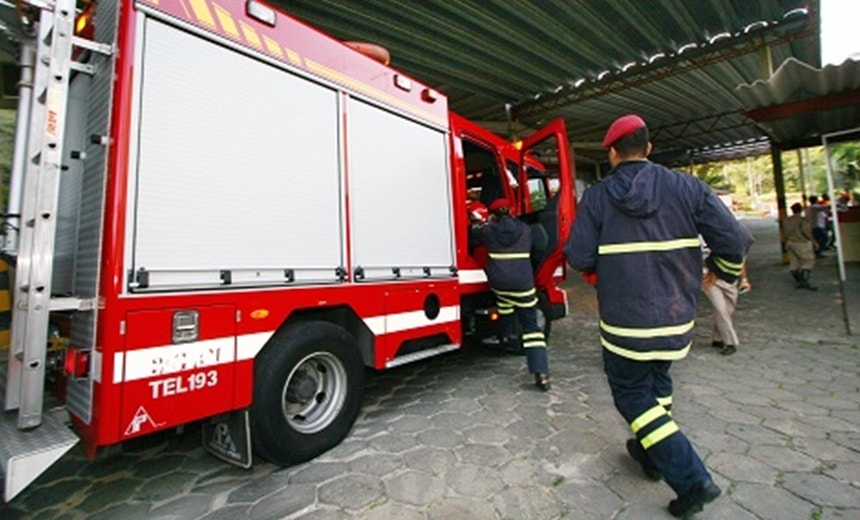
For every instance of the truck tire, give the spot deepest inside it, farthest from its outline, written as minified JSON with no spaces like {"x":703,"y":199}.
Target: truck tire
{"x":308,"y":390}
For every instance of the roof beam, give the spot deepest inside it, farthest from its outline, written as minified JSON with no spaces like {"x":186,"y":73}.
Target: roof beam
{"x":701,"y":125}
{"x":805,"y":106}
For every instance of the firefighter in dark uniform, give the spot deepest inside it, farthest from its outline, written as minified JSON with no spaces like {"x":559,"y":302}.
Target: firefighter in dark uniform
{"x":638,"y":231}
{"x":509,"y":271}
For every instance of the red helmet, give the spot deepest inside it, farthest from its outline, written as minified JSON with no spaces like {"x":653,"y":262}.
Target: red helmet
{"x":477,"y":211}
{"x":499,"y":204}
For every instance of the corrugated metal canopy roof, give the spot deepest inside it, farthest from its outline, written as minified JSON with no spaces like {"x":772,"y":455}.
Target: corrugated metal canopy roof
{"x":676,"y":62}
{"x":799,"y":100}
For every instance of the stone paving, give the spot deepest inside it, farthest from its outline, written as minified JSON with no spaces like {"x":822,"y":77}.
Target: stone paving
{"x":465,"y":436}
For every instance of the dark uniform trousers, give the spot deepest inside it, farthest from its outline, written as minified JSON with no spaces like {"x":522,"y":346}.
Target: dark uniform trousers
{"x":522,"y":305}
{"x":642,"y":391}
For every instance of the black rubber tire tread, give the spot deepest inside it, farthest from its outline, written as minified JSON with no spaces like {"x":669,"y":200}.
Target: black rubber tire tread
{"x":272,"y":436}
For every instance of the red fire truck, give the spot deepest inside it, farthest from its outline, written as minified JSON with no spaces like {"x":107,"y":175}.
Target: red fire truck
{"x":220,"y":214}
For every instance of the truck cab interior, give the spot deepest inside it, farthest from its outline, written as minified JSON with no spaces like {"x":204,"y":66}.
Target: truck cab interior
{"x":533,"y":201}
{"x":483,"y":181}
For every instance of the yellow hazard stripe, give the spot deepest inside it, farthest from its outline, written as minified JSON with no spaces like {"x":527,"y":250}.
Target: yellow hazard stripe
{"x":652,"y":355}
{"x":653,"y":332}
{"x":201,"y":11}
{"x":642,"y":247}
{"x":665,"y":401}
{"x":659,"y":434}
{"x":5,"y":302}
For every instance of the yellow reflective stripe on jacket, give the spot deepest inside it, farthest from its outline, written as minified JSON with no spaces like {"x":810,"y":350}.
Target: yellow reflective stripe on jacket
{"x":729,"y":267}
{"x":520,"y":294}
{"x":533,"y":335}
{"x":642,"y":247}
{"x":651,"y":355}
{"x":647,"y":418}
{"x":659,"y":434}
{"x":508,"y":256}
{"x":653,"y":332}
{"x":665,"y":401}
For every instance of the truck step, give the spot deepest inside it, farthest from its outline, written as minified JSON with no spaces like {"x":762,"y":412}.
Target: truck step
{"x":421,"y":354}
{"x":24,"y":455}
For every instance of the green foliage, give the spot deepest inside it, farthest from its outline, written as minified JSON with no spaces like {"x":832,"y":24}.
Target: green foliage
{"x":751,"y":180}
{"x":846,"y":165}
{"x":732,"y":488}
{"x":714,"y":174}
{"x":538,"y":200}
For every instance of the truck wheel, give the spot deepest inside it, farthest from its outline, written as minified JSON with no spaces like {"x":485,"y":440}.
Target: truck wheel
{"x":308,"y":389}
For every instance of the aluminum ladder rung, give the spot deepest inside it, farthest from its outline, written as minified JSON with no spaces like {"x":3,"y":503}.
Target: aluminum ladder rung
{"x":34,"y":265}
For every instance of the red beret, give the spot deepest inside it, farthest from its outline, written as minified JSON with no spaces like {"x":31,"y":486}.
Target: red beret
{"x":499,"y":204}
{"x":623,"y":126}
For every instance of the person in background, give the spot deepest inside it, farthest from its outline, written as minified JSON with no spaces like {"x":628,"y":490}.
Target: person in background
{"x":638,"y":230}
{"x":509,"y":271}
{"x":801,"y":247}
{"x":816,"y":214}
{"x":831,"y":235}
{"x":723,"y":296}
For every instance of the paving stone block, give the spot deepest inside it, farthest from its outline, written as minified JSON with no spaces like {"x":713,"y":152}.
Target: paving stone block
{"x":415,"y":487}
{"x":284,"y":502}
{"x":461,"y":507}
{"x":822,"y":490}
{"x":770,"y":502}
{"x":351,"y":491}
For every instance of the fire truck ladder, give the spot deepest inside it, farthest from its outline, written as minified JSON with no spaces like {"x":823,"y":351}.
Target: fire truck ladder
{"x":33,"y":441}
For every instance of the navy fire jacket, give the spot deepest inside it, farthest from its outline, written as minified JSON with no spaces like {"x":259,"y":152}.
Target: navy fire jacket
{"x":638,"y":229}
{"x":508,"y":242}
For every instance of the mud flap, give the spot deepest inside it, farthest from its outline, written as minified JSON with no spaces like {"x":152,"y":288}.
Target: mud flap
{"x":228,"y":437}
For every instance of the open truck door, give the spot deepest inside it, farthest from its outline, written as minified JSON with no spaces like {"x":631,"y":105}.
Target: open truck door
{"x":547,"y":203}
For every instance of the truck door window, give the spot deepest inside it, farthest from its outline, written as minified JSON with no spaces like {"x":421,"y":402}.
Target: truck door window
{"x":538,"y":189}
{"x":482,"y":174}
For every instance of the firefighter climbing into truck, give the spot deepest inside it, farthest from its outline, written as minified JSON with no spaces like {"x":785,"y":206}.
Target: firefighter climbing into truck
{"x":178,"y":291}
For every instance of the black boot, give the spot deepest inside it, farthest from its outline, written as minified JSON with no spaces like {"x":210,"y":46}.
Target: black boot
{"x":638,"y":453}
{"x":542,"y":382}
{"x":798,"y":280}
{"x":804,"y":280}
{"x":694,"y":500}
